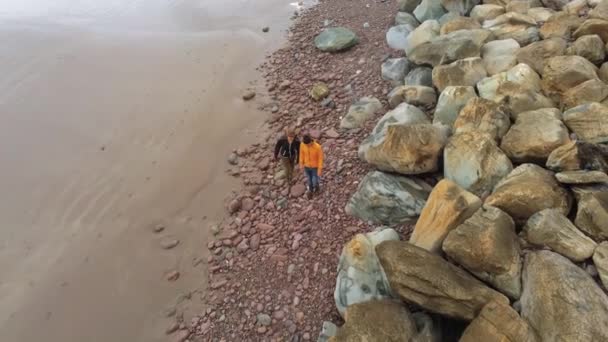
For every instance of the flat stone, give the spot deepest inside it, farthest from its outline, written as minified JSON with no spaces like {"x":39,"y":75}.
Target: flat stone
{"x":448,"y":48}
{"x":593,"y":26}
{"x":335,"y":39}
{"x":560,"y":25}
{"x":581,"y":177}
{"x":485,"y":12}
{"x":359,"y":112}
{"x":464,"y":72}
{"x":169,"y":243}
{"x":459,"y":23}
{"x":592,"y":214}
{"x":590,"y":91}
{"x":589,"y":122}
{"x":498,"y":322}
{"x":600,"y":260}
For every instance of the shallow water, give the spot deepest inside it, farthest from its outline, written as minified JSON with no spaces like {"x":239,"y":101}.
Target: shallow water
{"x":115,"y":116}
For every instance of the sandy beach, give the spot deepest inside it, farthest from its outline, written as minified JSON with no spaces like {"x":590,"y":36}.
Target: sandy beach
{"x":117,"y":117}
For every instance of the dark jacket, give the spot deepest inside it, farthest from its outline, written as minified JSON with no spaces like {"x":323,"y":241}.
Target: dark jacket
{"x":284,"y":149}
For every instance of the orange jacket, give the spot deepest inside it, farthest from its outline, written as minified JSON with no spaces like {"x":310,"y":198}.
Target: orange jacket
{"x":311,"y":155}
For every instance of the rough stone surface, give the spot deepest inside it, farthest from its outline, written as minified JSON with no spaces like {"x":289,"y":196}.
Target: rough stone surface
{"x":422,"y":76}
{"x":600,"y":11}
{"x":360,"y":111}
{"x":589,"y":122}
{"x":499,"y":55}
{"x":407,"y":5}
{"x":485,"y":12}
{"x":450,"y":102}
{"x":593,"y":26}
{"x":540,"y":14}
{"x":579,"y":155}
{"x":527,"y":190}
{"x":561,"y":301}
{"x":394,"y":70}
{"x":561,"y":73}
{"x":590,"y":47}
{"x":484,"y":116}
{"x":600,"y":260}
{"x":464,"y":72}
{"x":377,"y":321}
{"x":405,"y":18}
{"x":535,"y":135}
{"x":429,"y":10}
{"x":360,"y":276}
{"x":336,"y":39}
{"x":445,"y":49}
{"x":512,"y":25}
{"x":603,"y":72}
{"x":587,"y":92}
{"x":406,"y":149}
{"x":388,"y":199}
{"x":459,"y":23}
{"x":537,"y":53}
{"x":550,"y":228}
{"x":419,"y":96}
{"x":581,"y":177}
{"x":592,"y":215}
{"x":473,"y":161}
{"x":422,"y":34}
{"x":498,"y":322}
{"x":396,"y":36}
{"x":521,"y":75}
{"x":463,"y":7}
{"x":427,"y":280}
{"x":487,"y":246}
{"x":447,"y":207}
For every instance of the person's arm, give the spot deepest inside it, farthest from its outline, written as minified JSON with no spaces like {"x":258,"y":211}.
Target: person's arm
{"x":277,"y":148}
{"x":320,"y":169}
{"x":301,"y":156}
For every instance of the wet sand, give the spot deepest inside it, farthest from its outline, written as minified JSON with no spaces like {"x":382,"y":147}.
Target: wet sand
{"x":116,"y":117}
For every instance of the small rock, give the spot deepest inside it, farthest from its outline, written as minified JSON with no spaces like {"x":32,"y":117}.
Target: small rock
{"x":248,"y":95}
{"x":265,"y":29}
{"x":173,"y":276}
{"x":169,"y":243}
{"x":233,"y":159}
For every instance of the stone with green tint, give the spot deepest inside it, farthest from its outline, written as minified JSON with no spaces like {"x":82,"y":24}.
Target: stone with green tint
{"x":336,"y":39}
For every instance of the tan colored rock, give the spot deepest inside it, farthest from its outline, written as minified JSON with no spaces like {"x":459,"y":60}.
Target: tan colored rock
{"x":578,"y":155}
{"x":603,"y":73}
{"x":513,"y":25}
{"x":377,"y":321}
{"x":422,"y":34}
{"x":535,"y":135}
{"x":419,"y":96}
{"x":592,"y":215}
{"x":527,"y":190}
{"x":537,"y":53}
{"x":561,"y":301}
{"x":550,"y":228}
{"x":485,"y":12}
{"x":587,"y":92}
{"x":593,"y":26}
{"x":484,"y":116}
{"x":464,"y":72}
{"x":600,"y":259}
{"x":474,"y":162}
{"x":447,"y":207}
{"x":498,"y":322}
{"x":540,"y":14}
{"x":590,"y":47}
{"x":319,"y":91}
{"x":423,"y":278}
{"x":499,"y":55}
{"x":575,"y":6}
{"x":600,"y":11}
{"x":589,"y":122}
{"x":560,"y":25}
{"x":581,"y":177}
{"x":562,"y":73}
{"x":487,"y":246}
{"x":460,"y":23}
{"x":407,"y":149}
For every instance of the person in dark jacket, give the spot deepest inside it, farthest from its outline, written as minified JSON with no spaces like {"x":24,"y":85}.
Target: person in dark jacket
{"x":288,"y":150}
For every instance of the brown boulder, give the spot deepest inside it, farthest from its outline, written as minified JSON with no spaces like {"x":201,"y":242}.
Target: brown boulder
{"x":589,"y":122}
{"x":464,"y":72}
{"x":579,"y":155}
{"x":498,"y":322}
{"x":484,"y":116}
{"x":537,"y":53}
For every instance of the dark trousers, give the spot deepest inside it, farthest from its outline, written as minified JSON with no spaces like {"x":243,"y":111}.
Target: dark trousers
{"x":288,"y":166}
{"x":313,"y":178}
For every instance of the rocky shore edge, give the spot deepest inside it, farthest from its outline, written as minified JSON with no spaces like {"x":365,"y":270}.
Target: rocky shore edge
{"x":465,"y":196}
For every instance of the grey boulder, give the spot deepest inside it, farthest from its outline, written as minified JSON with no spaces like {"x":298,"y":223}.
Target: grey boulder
{"x":336,"y":39}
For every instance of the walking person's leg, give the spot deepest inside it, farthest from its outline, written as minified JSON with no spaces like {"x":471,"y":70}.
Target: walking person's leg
{"x":288,"y":168}
{"x":308,"y":172}
{"x":315,"y":180}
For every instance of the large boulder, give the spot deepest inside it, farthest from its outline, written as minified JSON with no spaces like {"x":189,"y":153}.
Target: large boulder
{"x":406,"y":149}
{"x":459,"y":23}
{"x":589,"y":122}
{"x":396,"y":36}
{"x":485,"y":12}
{"x":473,"y":161}
{"x":388,"y":199}
{"x":422,"y":76}
{"x":593,"y":26}
{"x":540,"y":14}
{"x":423,"y":278}
{"x":582,"y":177}
{"x":535,"y":135}
{"x":537,"y":53}
{"x":521,"y":75}
{"x":463,"y":7}
{"x":450,"y":102}
{"x":377,"y":321}
{"x":422,"y":34}
{"x":360,"y":111}
{"x":603,"y":72}
{"x":579,"y":155}
{"x":560,"y":25}
{"x":498,"y":322}
{"x":336,"y":39}
{"x":487,"y":246}
{"x":593,"y":90}
{"x":600,"y":11}
{"x":419,"y":96}
{"x":464,"y":72}
{"x":600,"y":260}
{"x":550,"y":228}
{"x":447,"y":207}
{"x":360,"y":276}
{"x":484,"y":116}
{"x":555,"y":4}
{"x":592,"y":214}
{"x":403,"y":18}
{"x":590,"y":47}
{"x":561,"y":301}
{"x":395,"y":69}
{"x":527,"y":190}
{"x":407,"y":5}
{"x":429,"y":10}
{"x":561,"y":73}
{"x":499,"y":55}
{"x":511,"y":25}
{"x":445,"y":49}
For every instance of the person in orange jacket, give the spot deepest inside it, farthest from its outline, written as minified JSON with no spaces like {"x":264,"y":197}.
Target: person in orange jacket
{"x":311,"y":159}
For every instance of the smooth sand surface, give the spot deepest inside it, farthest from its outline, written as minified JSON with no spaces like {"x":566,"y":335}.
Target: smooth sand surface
{"x":116,"y":116}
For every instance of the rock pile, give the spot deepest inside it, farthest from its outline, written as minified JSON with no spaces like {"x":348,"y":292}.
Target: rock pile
{"x":513,"y":239}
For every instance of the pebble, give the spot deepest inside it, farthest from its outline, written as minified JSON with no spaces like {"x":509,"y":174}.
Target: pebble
{"x":169,"y":243}
{"x":248,"y":95}
{"x":172,"y":328}
{"x":173,"y":276}
{"x":265,"y":29}
{"x":263,"y":320}
{"x":159,"y":228}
